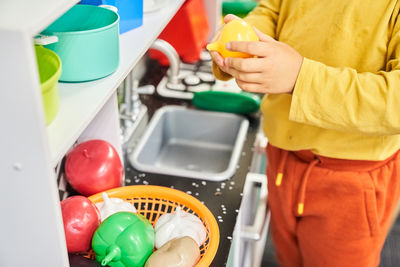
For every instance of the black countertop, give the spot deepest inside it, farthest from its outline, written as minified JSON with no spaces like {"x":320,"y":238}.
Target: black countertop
{"x":222,"y":198}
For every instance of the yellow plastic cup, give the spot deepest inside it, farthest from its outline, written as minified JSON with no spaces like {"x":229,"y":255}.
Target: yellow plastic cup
{"x":235,"y":30}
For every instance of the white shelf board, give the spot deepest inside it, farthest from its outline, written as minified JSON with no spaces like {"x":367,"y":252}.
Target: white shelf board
{"x":80,"y":102}
{"x":31,"y":16}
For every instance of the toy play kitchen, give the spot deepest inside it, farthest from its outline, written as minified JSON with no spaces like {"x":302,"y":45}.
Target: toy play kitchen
{"x":67,"y":168}
{"x":220,"y":197}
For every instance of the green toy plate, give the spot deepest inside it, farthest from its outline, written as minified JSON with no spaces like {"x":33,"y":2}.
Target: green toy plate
{"x":241,"y":103}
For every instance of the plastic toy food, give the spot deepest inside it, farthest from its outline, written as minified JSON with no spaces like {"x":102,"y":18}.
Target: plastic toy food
{"x":235,"y":30}
{"x":179,"y":224}
{"x":179,"y":252}
{"x":113,"y":205}
{"x":81,"y":218}
{"x":123,"y":239}
{"x":93,"y":166}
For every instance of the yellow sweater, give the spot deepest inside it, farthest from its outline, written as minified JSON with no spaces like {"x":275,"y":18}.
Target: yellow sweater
{"x":346,"y":101}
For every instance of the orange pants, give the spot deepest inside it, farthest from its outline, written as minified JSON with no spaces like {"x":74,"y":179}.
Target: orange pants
{"x":330,"y":212}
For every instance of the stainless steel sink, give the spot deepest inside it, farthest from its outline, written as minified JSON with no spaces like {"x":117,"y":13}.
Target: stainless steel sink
{"x":191,"y":143}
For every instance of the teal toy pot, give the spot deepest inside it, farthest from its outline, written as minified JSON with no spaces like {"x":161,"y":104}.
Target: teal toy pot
{"x":88,"y":42}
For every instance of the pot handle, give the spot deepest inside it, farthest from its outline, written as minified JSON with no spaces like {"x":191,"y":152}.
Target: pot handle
{"x":45,"y":39}
{"x":110,"y":7}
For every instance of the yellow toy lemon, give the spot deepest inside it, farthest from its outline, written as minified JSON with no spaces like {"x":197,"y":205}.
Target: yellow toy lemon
{"x":235,"y":30}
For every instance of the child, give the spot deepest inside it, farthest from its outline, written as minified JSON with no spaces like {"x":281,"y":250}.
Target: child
{"x":330,"y":72}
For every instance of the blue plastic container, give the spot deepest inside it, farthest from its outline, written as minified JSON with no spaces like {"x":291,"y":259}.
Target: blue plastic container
{"x":130,"y":12}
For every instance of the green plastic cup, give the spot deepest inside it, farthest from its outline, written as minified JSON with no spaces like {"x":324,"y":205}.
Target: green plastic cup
{"x":49,"y":65}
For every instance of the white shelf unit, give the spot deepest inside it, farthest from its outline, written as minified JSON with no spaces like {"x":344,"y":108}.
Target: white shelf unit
{"x":31,"y":17}
{"x":31,"y":226}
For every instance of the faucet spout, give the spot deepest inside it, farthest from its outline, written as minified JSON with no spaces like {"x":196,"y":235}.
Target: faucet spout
{"x":169,"y":51}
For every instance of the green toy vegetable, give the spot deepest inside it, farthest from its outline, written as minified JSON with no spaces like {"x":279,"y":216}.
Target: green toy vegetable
{"x":124,"y":239}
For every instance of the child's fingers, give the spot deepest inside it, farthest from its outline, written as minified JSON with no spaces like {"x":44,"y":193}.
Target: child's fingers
{"x":224,"y":69}
{"x":249,"y":87}
{"x":245,"y":64}
{"x":249,"y":77}
{"x":263,"y":37}
{"x":259,"y":49}
{"x":217,"y":58}
{"x":230,"y":17}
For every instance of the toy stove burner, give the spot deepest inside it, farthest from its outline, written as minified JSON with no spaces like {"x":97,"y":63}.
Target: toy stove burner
{"x":196,"y":77}
{"x":191,"y":80}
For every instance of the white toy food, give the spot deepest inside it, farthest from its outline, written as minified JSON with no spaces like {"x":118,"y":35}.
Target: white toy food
{"x":113,"y":205}
{"x":179,"y":224}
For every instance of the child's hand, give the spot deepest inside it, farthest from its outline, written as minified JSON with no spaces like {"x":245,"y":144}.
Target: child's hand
{"x":273,"y":71}
{"x":216,"y":57}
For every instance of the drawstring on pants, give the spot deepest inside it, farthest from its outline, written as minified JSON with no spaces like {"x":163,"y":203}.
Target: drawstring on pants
{"x":304,"y":180}
{"x":303,"y":185}
{"x":279,"y":176}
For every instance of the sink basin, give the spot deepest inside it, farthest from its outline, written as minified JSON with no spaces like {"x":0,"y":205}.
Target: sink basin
{"x":191,"y":143}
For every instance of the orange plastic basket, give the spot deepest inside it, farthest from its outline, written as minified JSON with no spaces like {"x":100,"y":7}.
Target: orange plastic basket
{"x":153,"y":201}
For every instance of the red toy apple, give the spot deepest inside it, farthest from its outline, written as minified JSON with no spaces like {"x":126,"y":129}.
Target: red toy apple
{"x":81,"y":218}
{"x":93,"y":166}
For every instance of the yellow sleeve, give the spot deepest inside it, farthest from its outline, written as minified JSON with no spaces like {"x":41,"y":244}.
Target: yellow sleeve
{"x":264,"y":17}
{"x":343,"y":99}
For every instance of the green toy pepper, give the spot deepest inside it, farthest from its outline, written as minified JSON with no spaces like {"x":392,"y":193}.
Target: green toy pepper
{"x":124,"y":239}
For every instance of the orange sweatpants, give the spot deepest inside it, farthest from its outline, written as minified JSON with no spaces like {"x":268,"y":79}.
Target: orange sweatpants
{"x":329,"y":212}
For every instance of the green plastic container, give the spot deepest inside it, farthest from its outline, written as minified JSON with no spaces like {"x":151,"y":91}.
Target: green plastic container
{"x":88,"y":42}
{"x":49,"y":65}
{"x":240,"y":103}
{"x":238,"y":7}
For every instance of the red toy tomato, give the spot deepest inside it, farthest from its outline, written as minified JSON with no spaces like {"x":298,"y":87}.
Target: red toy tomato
{"x":93,"y":166}
{"x":81,"y":218}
